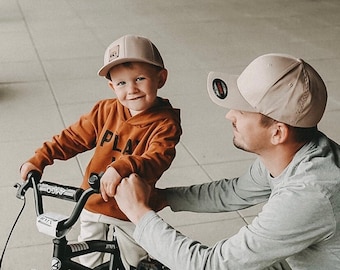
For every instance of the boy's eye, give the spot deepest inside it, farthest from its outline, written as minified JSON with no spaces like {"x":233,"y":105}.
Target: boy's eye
{"x":140,"y":79}
{"x":121,"y":83}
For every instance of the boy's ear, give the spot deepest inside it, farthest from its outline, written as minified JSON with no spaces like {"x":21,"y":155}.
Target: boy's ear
{"x":163,"y":75}
{"x":111,"y":85}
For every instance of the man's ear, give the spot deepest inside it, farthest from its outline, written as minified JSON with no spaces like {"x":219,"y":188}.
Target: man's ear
{"x":163,"y":75}
{"x":280,"y":133}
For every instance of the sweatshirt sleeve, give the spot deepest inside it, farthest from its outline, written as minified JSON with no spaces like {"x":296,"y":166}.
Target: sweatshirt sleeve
{"x":223,"y":195}
{"x":75,"y":139}
{"x":286,"y":226}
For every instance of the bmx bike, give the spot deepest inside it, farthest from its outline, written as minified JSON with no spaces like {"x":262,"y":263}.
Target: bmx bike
{"x":58,"y":225}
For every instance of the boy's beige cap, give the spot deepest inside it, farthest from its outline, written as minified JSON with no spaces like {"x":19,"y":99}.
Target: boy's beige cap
{"x":280,"y":86}
{"x":130,"y":48}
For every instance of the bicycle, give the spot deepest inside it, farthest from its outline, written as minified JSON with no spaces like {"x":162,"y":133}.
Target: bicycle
{"x":58,"y":225}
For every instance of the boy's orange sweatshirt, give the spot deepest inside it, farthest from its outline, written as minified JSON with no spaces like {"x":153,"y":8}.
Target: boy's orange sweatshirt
{"x":142,"y":144}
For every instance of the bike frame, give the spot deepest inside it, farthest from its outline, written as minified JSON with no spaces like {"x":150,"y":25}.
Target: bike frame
{"x":63,"y":253}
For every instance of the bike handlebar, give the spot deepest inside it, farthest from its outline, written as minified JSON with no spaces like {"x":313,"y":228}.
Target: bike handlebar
{"x":70,"y":193}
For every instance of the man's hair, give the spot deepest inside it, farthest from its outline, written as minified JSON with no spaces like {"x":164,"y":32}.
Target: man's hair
{"x":301,"y":135}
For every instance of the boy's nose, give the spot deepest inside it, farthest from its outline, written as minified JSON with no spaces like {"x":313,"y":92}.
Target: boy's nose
{"x":132,"y":88}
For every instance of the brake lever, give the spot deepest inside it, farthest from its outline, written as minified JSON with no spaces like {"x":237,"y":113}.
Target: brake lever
{"x":22,"y":188}
{"x":33,"y":178}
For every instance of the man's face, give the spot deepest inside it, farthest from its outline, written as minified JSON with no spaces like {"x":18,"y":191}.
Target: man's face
{"x":249,"y":133}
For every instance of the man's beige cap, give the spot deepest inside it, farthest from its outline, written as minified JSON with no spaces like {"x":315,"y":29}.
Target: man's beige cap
{"x":280,"y":86}
{"x":130,"y":48}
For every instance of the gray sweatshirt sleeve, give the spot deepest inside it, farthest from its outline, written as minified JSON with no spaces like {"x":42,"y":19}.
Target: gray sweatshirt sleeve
{"x":282,"y":229}
{"x":224,"y":195}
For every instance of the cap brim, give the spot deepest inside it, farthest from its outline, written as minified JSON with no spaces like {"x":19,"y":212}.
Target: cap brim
{"x":223,"y":91}
{"x":105,"y":69}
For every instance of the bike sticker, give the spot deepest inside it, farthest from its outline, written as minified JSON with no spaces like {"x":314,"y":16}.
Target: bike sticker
{"x":79,"y":246}
{"x":56,"y":264}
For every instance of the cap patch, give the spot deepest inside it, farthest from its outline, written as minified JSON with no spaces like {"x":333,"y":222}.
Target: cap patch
{"x":113,"y":53}
{"x":220,"y":88}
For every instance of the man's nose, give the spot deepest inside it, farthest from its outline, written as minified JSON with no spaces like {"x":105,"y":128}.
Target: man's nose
{"x":230,"y":115}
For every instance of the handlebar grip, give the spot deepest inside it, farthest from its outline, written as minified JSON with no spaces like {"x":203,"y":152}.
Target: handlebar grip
{"x":59,"y":191}
{"x":94,"y":181}
{"x":34,"y":175}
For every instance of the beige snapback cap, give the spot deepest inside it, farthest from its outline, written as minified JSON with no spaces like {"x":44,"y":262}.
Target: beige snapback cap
{"x":130,"y":48}
{"x":280,"y":86}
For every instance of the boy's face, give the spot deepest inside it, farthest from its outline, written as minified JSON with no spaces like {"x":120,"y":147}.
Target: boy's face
{"x":136,"y":85}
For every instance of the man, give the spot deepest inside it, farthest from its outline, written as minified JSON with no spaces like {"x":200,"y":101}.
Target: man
{"x":276,"y":104}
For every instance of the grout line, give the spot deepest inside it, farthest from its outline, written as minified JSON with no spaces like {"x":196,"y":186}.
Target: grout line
{"x":45,"y":76}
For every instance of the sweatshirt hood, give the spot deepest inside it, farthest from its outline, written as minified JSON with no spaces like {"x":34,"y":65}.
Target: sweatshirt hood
{"x":162,"y":111}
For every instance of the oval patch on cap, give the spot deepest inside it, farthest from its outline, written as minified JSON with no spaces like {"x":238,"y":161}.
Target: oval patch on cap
{"x":220,"y":88}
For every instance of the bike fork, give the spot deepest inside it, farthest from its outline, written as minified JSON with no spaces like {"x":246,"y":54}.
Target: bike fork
{"x":58,"y":253}
{"x":115,"y":259}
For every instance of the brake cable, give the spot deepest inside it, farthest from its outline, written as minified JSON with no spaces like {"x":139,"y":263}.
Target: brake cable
{"x":10,"y":233}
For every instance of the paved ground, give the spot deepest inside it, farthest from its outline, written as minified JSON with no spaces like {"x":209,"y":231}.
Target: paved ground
{"x":50,"y":52}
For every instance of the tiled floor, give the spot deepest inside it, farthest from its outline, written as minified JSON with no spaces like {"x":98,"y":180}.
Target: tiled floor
{"x":50,"y":52}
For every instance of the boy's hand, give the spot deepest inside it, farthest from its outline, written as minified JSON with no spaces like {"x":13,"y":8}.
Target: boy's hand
{"x":108,"y":183}
{"x":26,"y":168}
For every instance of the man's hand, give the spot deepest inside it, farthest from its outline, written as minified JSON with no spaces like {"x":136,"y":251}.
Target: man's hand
{"x":108,"y":183}
{"x":132,"y":196}
{"x":26,"y":168}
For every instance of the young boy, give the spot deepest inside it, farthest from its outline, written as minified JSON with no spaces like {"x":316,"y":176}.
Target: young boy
{"x":134,"y":133}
